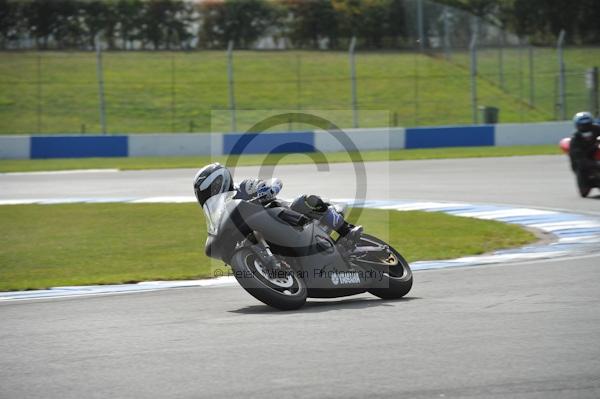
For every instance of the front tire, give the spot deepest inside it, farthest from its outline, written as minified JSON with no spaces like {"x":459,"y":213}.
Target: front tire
{"x":281,"y":291}
{"x":397,"y":279}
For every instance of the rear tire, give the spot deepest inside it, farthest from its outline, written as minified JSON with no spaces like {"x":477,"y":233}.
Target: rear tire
{"x":583,"y":184}
{"x":287,"y":292}
{"x":396,"y":281}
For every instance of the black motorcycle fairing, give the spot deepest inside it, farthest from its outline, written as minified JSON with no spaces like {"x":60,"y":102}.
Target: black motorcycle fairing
{"x":232,"y":230}
{"x":243,"y":217}
{"x":293,"y":218}
{"x":310,"y":250}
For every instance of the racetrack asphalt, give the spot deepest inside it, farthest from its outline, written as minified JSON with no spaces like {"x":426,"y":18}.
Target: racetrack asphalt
{"x":537,"y":181}
{"x":523,"y":330}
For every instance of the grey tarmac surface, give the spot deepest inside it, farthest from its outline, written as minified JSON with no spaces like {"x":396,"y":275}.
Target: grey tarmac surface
{"x":528,"y":330}
{"x":542,"y":181}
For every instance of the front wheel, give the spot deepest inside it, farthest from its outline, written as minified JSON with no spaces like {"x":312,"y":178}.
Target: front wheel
{"x":396,"y":279}
{"x":277,"y":288}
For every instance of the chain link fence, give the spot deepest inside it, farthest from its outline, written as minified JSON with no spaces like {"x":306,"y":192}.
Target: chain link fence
{"x":450,"y":68}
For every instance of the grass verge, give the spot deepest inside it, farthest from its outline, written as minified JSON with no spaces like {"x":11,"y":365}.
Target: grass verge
{"x":138,"y":163}
{"x":77,"y":244}
{"x":52,"y":92}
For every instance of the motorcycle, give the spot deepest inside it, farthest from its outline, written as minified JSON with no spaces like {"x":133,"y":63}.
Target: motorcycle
{"x":282,"y":257}
{"x":588,"y":179}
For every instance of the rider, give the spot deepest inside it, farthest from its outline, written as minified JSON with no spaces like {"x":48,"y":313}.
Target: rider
{"x":583,"y":144}
{"x":215,"y":179}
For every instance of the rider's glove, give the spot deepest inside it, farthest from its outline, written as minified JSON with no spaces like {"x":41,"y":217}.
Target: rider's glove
{"x":264,"y":191}
{"x":267,"y":191}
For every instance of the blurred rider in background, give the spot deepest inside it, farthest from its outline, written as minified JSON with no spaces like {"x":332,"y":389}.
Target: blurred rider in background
{"x":214,"y":179}
{"x":584,"y":143}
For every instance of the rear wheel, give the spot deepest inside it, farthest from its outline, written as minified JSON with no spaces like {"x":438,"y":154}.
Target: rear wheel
{"x":583,"y":184}
{"x":281,"y":289}
{"x":396,"y":279}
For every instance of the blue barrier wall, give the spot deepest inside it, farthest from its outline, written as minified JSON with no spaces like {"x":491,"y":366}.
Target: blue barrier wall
{"x":460,"y":136}
{"x":23,"y":147}
{"x":78,"y":146}
{"x":268,"y":143}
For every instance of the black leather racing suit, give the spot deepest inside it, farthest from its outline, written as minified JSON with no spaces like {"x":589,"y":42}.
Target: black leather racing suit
{"x":582,"y":149}
{"x":311,"y":206}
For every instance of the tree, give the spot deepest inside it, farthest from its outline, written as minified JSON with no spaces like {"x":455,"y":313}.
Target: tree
{"x":179,"y":17}
{"x":41,"y":19}
{"x":69,"y":31}
{"x":373,"y":22}
{"x":153,"y":16}
{"x":9,"y":21}
{"x":242,"y":21}
{"x":588,"y":26}
{"x":129,"y":20}
{"x":99,"y":17}
{"x":560,"y":14}
{"x":312,"y":21}
{"x":397,"y":26}
{"x":164,"y":23}
{"x":306,"y":23}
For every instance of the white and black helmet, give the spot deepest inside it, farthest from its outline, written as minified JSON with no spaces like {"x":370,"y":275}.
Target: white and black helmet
{"x":211,"y":180}
{"x":583,"y":121}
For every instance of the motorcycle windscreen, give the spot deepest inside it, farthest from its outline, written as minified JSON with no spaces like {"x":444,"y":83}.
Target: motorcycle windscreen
{"x":214,"y":208}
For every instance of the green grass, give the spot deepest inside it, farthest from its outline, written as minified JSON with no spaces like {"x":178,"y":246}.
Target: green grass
{"x":56,"y":245}
{"x":136,"y":163}
{"x":56,"y":92}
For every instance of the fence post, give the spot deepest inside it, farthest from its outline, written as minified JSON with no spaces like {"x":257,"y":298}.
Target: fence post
{"x":231,"y":86}
{"x":417,"y":97}
{"x":521,"y":83}
{"x":299,"y":81}
{"x":353,"y":82}
{"x":420,"y":25}
{"x":531,"y":77}
{"x":501,"y":61}
{"x":555,"y":96}
{"x":561,"y":77}
{"x":173,"y":94}
{"x":100,"y":76}
{"x":592,"y":84}
{"x":447,"y":45}
{"x":473,"y":50}
{"x":39,"y":93}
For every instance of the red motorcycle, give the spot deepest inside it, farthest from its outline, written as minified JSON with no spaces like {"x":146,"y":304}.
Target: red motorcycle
{"x":586,"y":180}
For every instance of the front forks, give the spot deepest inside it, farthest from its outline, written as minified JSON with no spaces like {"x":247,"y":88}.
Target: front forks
{"x":264,"y":252}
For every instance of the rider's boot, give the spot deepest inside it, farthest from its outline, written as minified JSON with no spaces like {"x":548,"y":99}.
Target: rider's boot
{"x":335,"y":220}
{"x":315,"y":207}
